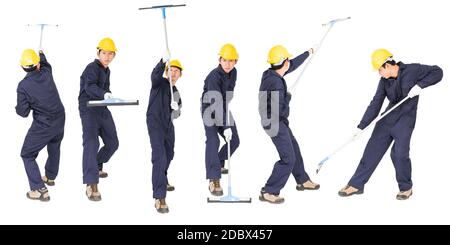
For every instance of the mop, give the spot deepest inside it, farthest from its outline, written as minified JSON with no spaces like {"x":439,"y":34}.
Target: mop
{"x":163,"y":9}
{"x":229,"y":198}
{"x":381,"y":116}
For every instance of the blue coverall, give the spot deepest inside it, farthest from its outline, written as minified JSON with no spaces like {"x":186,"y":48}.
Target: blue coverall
{"x":38,"y":92}
{"x":96,"y":121}
{"x":218,"y":81}
{"x":397,"y":126}
{"x":161,"y":129}
{"x":291,"y":160}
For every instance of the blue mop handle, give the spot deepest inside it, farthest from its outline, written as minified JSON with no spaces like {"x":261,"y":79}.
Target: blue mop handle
{"x":229,"y":155}
{"x":321,"y":164}
{"x":365,"y":129}
{"x":40,"y":39}
{"x":291,"y":89}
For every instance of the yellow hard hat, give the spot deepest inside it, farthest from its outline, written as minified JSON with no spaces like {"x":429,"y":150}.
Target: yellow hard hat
{"x":379,"y":57}
{"x":175,"y":63}
{"x":228,"y":52}
{"x":278,"y":54}
{"x":107,"y":44}
{"x":29,"y":58}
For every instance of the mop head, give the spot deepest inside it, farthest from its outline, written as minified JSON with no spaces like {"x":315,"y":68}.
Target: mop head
{"x":229,"y":199}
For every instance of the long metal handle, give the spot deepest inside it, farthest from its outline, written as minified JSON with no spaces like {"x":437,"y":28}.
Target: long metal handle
{"x":229,"y":155}
{"x":319,"y":166}
{"x":331,"y":24}
{"x":40,"y":39}
{"x":167,"y":48}
{"x":292,"y":88}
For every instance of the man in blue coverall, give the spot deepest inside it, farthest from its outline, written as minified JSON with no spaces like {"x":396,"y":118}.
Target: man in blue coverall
{"x":274,"y":111}
{"x":160,"y":113}
{"x":217,"y":93}
{"x":38,"y":92}
{"x":97,"y":121}
{"x":397,"y":81}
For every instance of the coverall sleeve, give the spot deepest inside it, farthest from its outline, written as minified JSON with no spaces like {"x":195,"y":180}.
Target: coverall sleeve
{"x":212,"y":84}
{"x":429,"y":75}
{"x":107,"y":84}
{"x":230,"y":89}
{"x":90,"y":85}
{"x":297,"y":61}
{"x":23,"y":104}
{"x":157,"y":74}
{"x":374,"y":107}
{"x":45,"y":66}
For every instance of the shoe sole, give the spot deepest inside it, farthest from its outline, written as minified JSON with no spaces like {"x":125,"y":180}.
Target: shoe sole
{"x":48,"y":182}
{"x":38,"y":199}
{"x":94,"y":198}
{"x":403,"y":197}
{"x":170,"y":188}
{"x":302,"y":188}
{"x":261,"y":198}
{"x":103,"y":176}
{"x":345,"y":194}
{"x":163,"y":210}
{"x":217,"y":193}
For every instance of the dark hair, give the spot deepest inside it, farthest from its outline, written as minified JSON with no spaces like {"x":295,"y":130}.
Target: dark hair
{"x":29,"y":68}
{"x":276,"y":67}
{"x":390,"y":62}
{"x":167,"y":68}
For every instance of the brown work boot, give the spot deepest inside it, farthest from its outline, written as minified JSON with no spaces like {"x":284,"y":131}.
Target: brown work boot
{"x":48,"y":181}
{"x":41,"y":195}
{"x":223,"y":170}
{"x":170,"y":187}
{"x":349,"y":190}
{"x":92,"y":192}
{"x":269,"y":197}
{"x":308,"y":185}
{"x":161,"y":206}
{"x":102,"y":174}
{"x":214,"y":188}
{"x":403,"y":195}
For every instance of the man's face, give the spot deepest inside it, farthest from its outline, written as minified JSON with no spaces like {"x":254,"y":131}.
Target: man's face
{"x":388,"y":71}
{"x":175,"y":74}
{"x":286,"y":65}
{"x":106,"y":57}
{"x":227,"y":65}
{"x":384,"y":72}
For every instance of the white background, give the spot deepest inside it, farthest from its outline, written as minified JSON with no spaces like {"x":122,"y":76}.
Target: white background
{"x":328,"y":104}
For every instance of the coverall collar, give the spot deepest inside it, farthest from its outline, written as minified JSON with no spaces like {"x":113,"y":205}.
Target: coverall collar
{"x":222,"y":71}
{"x":32,"y":73}
{"x":97,"y":61}
{"x":272,"y":71}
